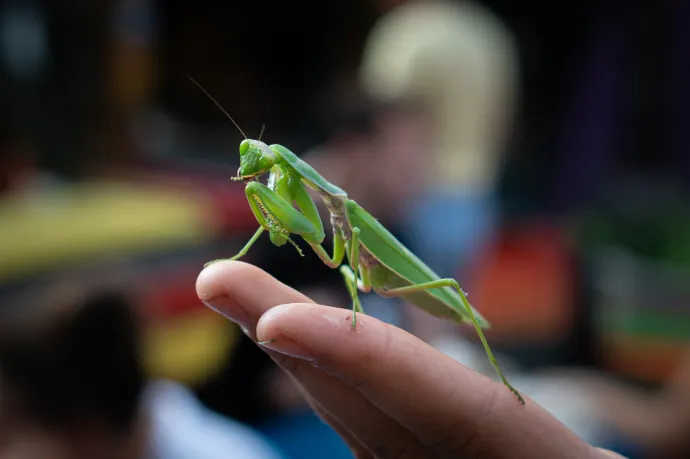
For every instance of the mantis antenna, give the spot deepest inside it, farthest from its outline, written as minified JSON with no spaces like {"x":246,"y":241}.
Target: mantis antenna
{"x":219,"y":106}
{"x":263,"y":126}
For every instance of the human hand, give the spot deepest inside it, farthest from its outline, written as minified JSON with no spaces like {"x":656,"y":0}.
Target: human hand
{"x":387,"y":393}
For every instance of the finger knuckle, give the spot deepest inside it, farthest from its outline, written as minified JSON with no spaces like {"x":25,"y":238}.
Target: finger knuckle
{"x":364,"y":368}
{"x":357,"y":368}
{"x":474,"y":443}
{"x":443,"y":441}
{"x":469,"y":442}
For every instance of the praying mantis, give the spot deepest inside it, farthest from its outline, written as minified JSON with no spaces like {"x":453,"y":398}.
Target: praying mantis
{"x":376,"y":260}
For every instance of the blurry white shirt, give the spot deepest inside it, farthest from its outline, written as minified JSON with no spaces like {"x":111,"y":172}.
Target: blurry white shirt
{"x":182,"y":428}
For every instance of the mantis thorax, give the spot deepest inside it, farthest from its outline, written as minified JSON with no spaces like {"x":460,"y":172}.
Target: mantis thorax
{"x":340,"y":223}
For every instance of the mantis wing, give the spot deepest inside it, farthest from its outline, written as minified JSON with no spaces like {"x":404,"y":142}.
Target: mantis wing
{"x":400,"y":261}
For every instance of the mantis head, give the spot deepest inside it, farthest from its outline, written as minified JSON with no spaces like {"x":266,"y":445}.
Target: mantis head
{"x":256,"y":158}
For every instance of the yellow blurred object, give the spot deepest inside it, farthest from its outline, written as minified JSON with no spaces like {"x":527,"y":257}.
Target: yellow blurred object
{"x":91,"y":220}
{"x":189,"y":348}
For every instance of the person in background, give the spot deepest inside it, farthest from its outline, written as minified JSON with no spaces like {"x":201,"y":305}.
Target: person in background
{"x":458,"y":62}
{"x":72,"y":386}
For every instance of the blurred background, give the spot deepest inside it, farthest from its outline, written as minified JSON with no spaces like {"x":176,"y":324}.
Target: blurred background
{"x":537,"y":152}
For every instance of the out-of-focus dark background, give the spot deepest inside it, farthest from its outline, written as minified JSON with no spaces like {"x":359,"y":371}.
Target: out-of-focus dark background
{"x":539,"y":152}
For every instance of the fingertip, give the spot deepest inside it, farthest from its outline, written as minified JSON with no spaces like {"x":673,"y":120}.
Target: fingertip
{"x":306,"y":323}
{"x":305,"y":331}
{"x":205,"y":281}
{"x":272,"y":323}
{"x":211,"y":283}
{"x":268,"y":326}
{"x":243,"y":292}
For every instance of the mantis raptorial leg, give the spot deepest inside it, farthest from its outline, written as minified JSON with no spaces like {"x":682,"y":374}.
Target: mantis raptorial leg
{"x":351,"y":277}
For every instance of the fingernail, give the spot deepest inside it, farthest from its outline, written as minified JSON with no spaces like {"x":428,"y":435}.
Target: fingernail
{"x":288,"y":347}
{"x":228,"y":309}
{"x":245,"y":330}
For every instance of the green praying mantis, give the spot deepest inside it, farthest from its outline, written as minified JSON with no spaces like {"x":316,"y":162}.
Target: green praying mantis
{"x":376,"y":260}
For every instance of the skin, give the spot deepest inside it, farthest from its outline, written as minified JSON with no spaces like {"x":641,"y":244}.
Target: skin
{"x":387,"y":393}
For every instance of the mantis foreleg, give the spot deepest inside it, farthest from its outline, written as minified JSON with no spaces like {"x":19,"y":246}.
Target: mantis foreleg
{"x":353,"y":284}
{"x":351,"y":275}
{"x":273,"y":208}
{"x":441,"y":283}
{"x":294,"y":188}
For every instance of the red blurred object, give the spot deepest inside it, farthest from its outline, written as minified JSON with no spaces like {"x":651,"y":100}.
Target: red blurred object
{"x":233,"y":211}
{"x":173,"y":292}
{"x":525,"y":285}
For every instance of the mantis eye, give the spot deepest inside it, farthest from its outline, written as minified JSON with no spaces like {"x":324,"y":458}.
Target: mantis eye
{"x":244,"y":147}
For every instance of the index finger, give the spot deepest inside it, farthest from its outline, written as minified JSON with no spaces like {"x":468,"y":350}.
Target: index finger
{"x":449,"y":407}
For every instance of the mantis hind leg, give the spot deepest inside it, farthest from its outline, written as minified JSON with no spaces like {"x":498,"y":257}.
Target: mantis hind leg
{"x":441,"y":283}
{"x":244,"y":249}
